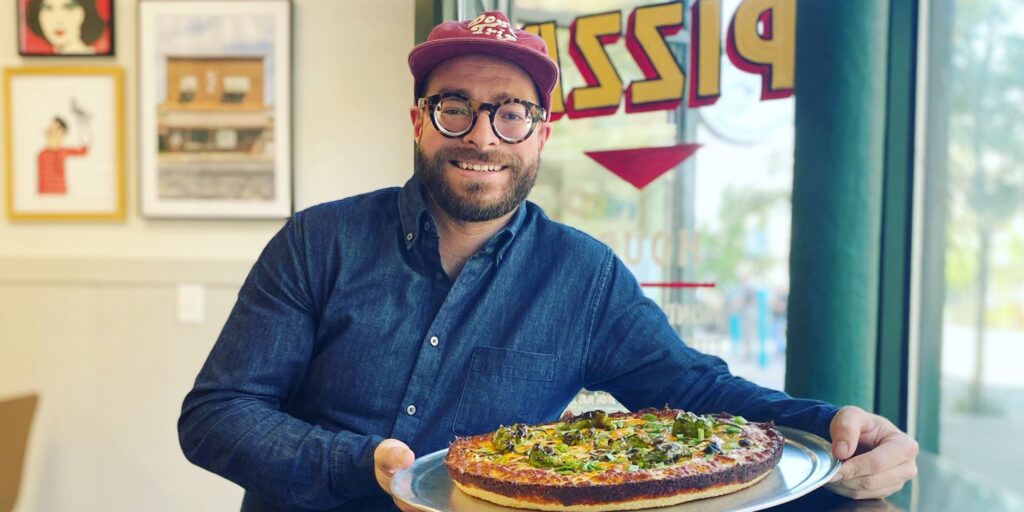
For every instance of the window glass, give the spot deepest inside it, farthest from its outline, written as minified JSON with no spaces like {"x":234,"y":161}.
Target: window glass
{"x":709,"y":238}
{"x":982,"y":193}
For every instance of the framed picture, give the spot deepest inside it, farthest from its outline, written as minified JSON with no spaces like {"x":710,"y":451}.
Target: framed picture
{"x":215,"y":108}
{"x":65,"y":27}
{"x":63,"y":143}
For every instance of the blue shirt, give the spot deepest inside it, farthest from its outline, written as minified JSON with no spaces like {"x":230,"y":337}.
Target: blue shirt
{"x":347,"y":331}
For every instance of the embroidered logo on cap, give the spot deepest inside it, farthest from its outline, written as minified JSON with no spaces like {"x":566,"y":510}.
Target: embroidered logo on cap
{"x":490,"y":25}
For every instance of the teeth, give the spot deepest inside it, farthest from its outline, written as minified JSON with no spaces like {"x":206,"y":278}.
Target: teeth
{"x":476,"y":167}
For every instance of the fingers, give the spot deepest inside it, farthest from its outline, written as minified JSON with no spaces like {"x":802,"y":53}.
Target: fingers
{"x":846,"y":429}
{"x":887,"y":458}
{"x":394,"y":455}
{"x":390,"y":456}
{"x":892,"y":451}
{"x":876,"y":485}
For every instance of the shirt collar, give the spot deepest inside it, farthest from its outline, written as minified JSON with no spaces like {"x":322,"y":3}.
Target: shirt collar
{"x":412,"y":209}
{"x":502,"y":240}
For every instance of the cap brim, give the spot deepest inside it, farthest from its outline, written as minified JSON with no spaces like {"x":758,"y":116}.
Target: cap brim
{"x":427,"y":56}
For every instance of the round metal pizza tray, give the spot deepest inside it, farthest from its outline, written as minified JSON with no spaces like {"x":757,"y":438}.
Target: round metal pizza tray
{"x":807,"y":463}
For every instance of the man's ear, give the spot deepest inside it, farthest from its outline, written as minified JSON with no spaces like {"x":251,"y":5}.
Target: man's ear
{"x":416,"y":116}
{"x":545,"y":132}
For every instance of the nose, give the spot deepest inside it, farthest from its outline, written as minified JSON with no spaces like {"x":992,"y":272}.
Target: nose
{"x":482,"y":135}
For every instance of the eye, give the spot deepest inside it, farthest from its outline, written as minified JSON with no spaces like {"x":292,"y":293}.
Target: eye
{"x":455,"y":111}
{"x":454,"y":108}
{"x":512,"y":116}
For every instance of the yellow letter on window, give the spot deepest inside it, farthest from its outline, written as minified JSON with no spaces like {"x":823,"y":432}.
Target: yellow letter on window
{"x":587,"y":36}
{"x":645,"y":38}
{"x":769,"y":51}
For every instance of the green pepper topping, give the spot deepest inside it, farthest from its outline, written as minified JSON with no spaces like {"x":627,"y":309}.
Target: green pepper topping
{"x":689,"y":424}
{"x":672,"y":451}
{"x":505,"y":438}
{"x":639,"y":440}
{"x":572,"y":437}
{"x":598,"y":419}
{"x":542,"y":457}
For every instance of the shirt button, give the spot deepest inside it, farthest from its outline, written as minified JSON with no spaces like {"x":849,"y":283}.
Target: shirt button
{"x":408,"y":236}
{"x":439,"y":276}
{"x":411,"y":409}
{"x":426,"y":226}
{"x":434,"y":341}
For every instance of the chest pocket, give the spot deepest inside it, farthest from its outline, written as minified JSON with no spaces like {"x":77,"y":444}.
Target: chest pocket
{"x":504,"y":387}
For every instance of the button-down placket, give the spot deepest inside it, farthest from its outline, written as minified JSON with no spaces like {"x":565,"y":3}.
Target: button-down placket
{"x":422,"y":238}
{"x":419,"y":392}
{"x":425,"y":372}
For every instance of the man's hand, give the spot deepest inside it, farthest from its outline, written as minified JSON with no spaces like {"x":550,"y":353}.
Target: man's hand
{"x":390,"y":456}
{"x":878,"y":457}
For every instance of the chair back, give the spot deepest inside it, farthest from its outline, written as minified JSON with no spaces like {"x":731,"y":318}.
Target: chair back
{"x":15,"y":423}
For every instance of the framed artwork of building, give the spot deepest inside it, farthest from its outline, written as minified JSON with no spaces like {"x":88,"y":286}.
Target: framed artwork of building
{"x":65,"y":27}
{"x":215,"y":119}
{"x":63,"y":143}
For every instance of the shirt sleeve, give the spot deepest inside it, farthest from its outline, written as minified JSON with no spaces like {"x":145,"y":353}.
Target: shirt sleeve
{"x":232,"y":422}
{"x":636,"y":355}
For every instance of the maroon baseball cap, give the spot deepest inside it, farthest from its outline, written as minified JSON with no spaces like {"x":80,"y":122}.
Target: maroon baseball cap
{"x":491,"y":34}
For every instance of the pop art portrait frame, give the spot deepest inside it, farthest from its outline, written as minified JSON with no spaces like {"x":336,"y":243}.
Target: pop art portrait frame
{"x":97,"y":29}
{"x":64,"y":143}
{"x":215,"y":109}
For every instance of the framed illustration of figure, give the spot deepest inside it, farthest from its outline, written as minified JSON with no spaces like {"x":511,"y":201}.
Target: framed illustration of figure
{"x":214,"y":100}
{"x":65,"y":27}
{"x":63,"y":143}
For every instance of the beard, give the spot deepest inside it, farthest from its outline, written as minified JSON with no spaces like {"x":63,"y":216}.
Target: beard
{"x":468,"y":203}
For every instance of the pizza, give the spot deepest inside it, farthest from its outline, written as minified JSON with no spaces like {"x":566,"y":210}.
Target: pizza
{"x":621,"y":461}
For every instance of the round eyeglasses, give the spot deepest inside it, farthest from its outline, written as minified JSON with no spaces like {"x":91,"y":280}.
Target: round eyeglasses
{"x":455,"y":115}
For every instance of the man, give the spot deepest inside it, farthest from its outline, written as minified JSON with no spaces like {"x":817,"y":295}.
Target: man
{"x":379,"y":327}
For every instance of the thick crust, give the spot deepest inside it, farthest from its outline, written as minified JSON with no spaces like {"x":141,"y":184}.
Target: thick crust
{"x":520,"y":485}
{"x":636,"y":504}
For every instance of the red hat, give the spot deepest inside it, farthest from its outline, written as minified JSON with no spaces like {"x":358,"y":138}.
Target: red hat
{"x":492,"y":34}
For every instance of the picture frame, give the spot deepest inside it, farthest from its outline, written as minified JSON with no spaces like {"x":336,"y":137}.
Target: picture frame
{"x":215,"y":109}
{"x":64,"y":149}
{"x":65,"y":28}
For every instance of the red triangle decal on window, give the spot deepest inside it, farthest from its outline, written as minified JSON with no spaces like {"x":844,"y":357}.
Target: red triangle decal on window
{"x":641,"y":166}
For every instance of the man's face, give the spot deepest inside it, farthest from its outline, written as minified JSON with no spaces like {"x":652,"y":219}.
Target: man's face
{"x":465,"y":194}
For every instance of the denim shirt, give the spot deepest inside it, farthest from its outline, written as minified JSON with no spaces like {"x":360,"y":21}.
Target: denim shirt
{"x":347,"y":331}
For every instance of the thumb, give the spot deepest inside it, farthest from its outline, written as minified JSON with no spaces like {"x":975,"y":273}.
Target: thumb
{"x":394,"y":455}
{"x":845,"y":430}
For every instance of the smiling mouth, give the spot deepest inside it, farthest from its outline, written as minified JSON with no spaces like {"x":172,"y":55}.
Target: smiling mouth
{"x":466,"y":166}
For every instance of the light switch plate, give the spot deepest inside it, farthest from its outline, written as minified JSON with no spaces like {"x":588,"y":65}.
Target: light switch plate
{"x":191,"y":303}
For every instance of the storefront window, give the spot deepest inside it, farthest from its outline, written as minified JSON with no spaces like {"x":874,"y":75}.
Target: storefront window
{"x":708,"y":238}
{"x":976,"y":137}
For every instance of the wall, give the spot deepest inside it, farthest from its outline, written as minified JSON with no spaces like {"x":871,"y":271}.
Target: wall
{"x":88,"y":311}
